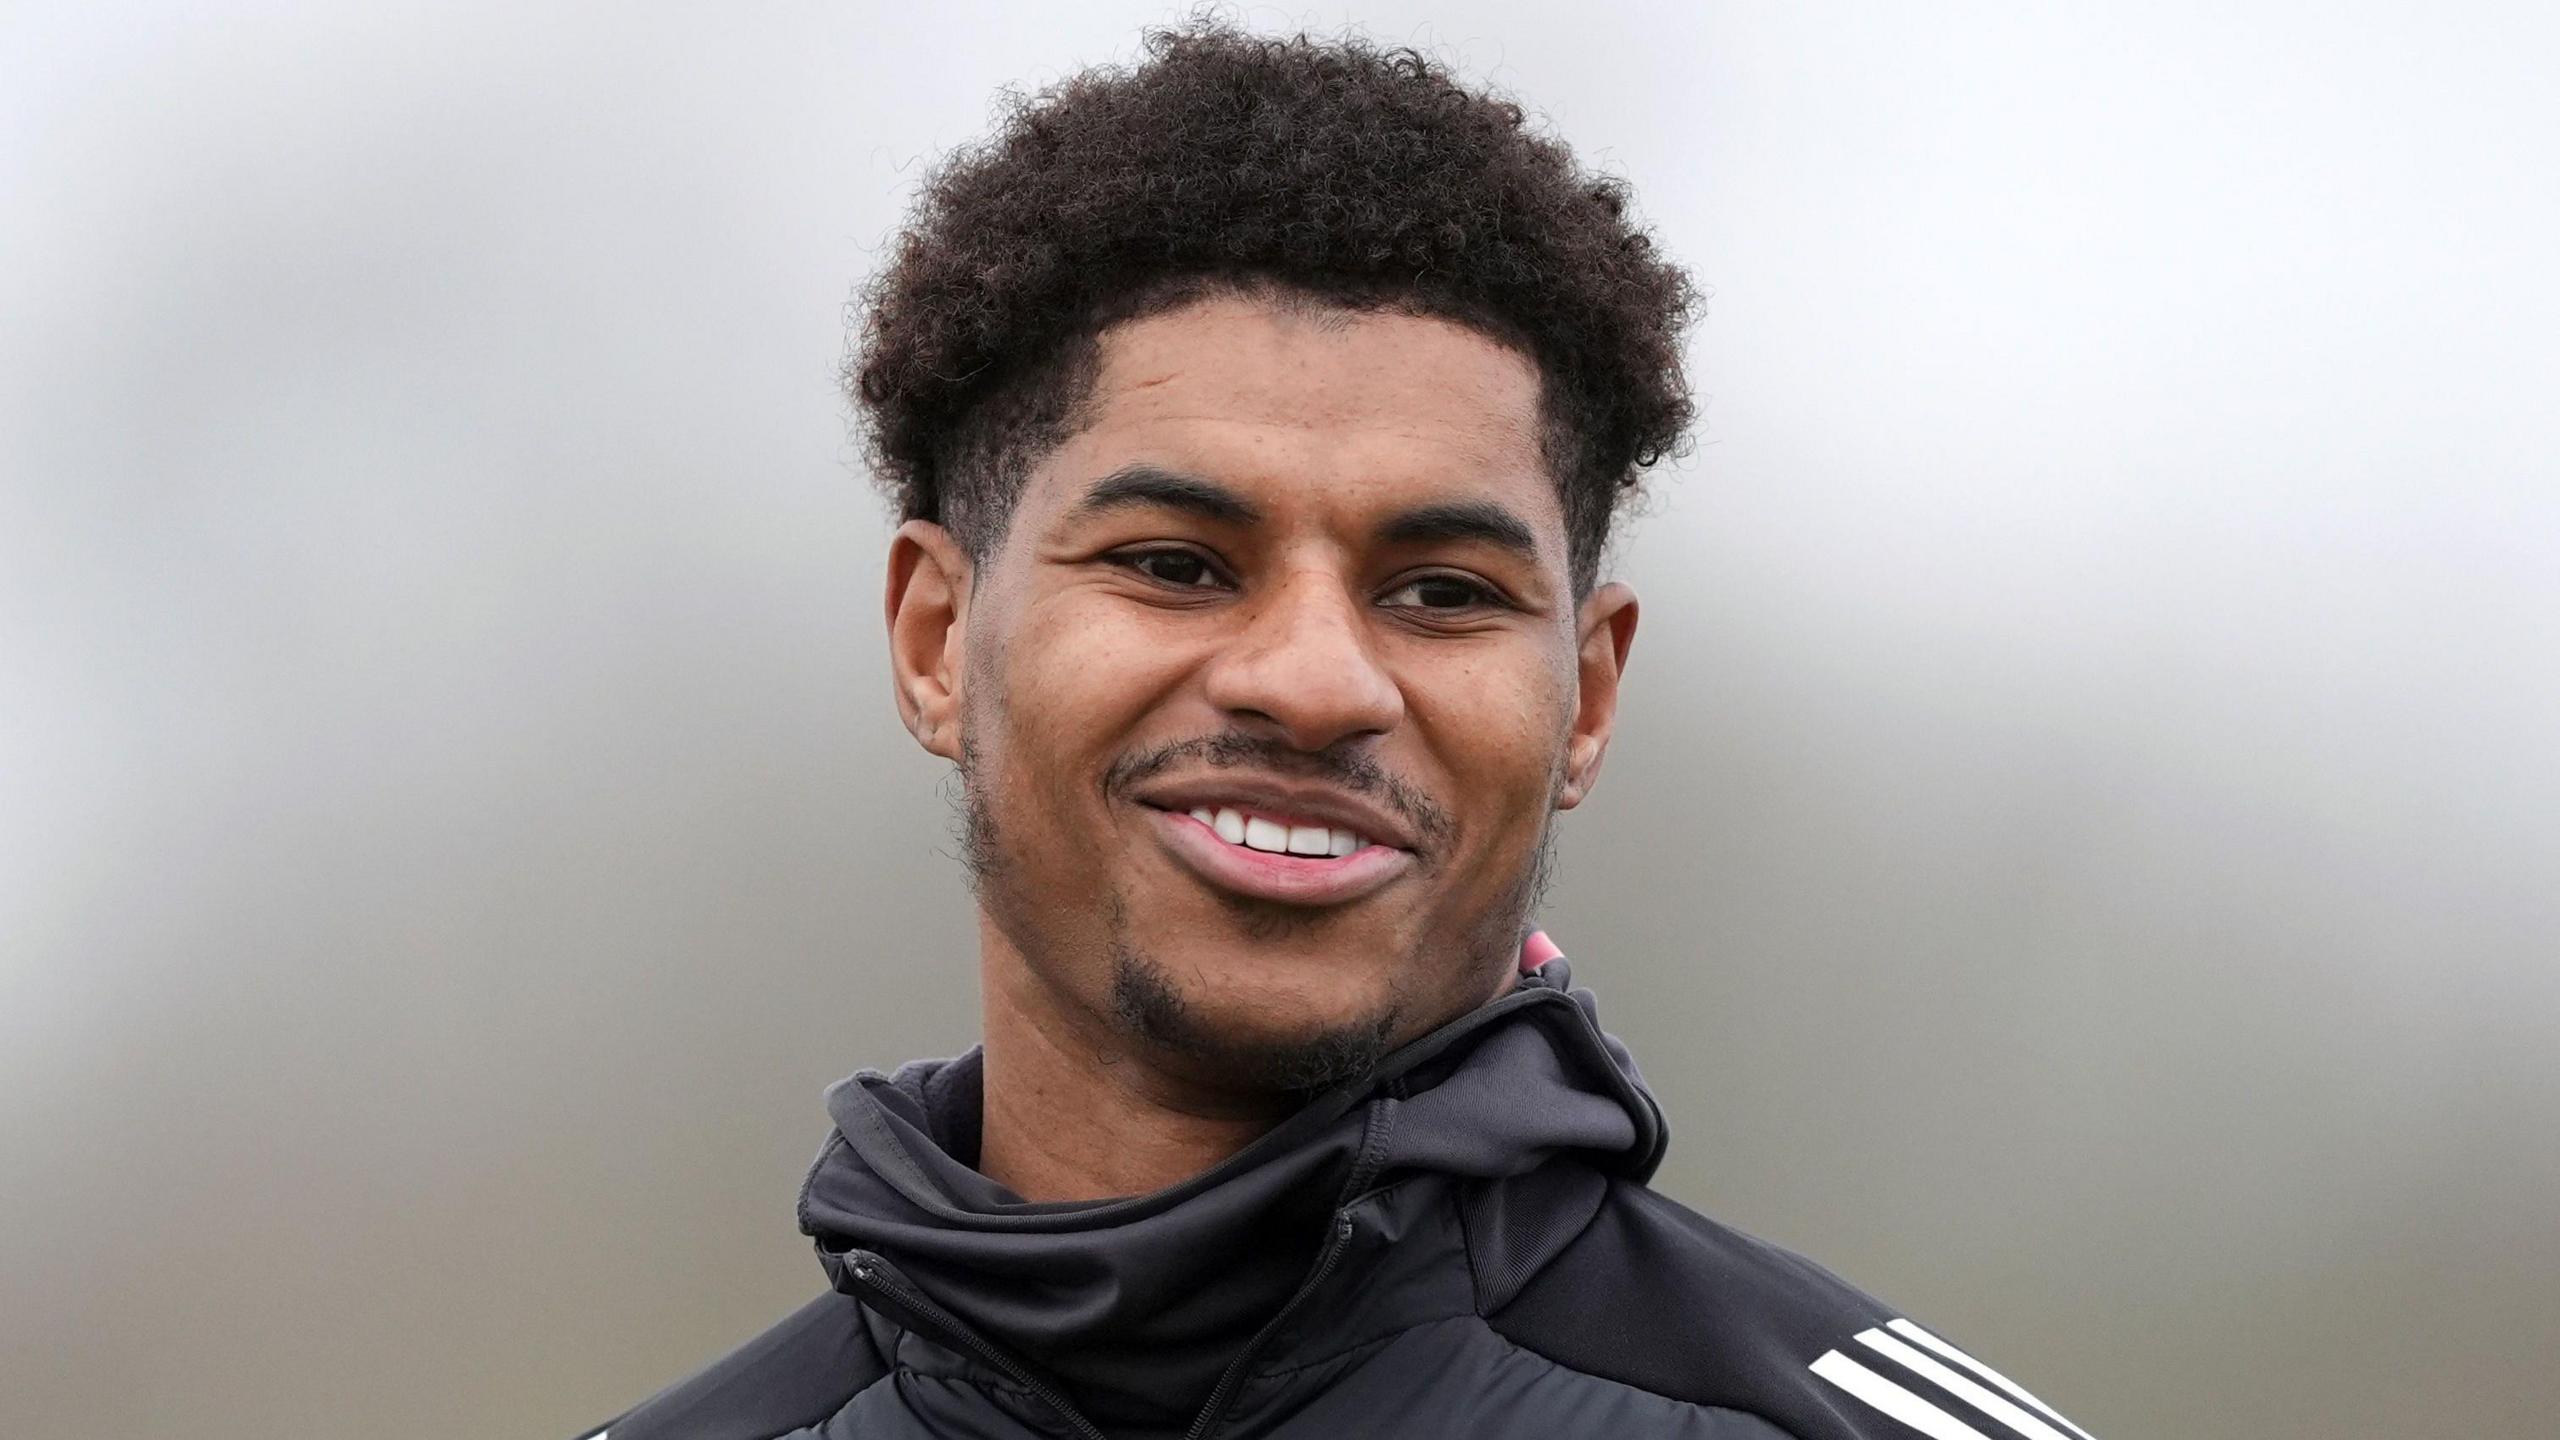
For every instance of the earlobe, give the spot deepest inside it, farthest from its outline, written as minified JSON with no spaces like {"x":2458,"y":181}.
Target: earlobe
{"x":926,"y":605}
{"x":1605,"y":629}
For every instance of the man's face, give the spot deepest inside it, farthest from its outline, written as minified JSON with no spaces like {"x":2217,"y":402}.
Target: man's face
{"x":1266,"y":699}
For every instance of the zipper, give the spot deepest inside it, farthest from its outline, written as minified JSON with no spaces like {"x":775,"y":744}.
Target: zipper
{"x":872,"y":1273}
{"x":1223,"y":1394}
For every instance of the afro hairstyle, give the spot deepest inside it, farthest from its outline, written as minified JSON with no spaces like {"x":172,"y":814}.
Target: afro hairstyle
{"x":1332,"y":172}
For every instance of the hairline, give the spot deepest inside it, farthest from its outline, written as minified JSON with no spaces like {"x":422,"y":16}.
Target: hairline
{"x":1071,"y":362}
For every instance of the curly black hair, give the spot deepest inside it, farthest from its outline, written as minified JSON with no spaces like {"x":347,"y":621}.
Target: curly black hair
{"x":1330,"y":171}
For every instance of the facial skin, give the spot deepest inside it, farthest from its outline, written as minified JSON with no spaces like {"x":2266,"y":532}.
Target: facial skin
{"x":1304,"y":564}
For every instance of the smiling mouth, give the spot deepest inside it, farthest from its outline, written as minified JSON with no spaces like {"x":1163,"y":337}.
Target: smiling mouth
{"x":1274,"y":835}
{"x":1282,"y":858}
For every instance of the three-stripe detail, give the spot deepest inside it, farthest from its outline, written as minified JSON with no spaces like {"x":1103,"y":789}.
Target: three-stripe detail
{"x":1915,"y":1352}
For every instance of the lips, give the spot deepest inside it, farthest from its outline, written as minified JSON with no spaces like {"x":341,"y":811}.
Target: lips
{"x":1276,"y":875}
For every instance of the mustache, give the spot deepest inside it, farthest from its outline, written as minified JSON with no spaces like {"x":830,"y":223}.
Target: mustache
{"x":1356,"y":773}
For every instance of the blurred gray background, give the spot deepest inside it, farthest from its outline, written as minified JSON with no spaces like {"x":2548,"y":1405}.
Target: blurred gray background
{"x":2079,"y":859}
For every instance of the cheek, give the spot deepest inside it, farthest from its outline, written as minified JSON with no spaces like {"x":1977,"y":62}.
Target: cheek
{"x":1073,"y":687}
{"x":1499,"y":728}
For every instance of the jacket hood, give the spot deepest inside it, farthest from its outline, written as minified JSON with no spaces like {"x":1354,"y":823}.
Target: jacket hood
{"x":1137,"y":1303}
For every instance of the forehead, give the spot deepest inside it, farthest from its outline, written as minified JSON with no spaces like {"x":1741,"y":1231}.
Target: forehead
{"x":1314,"y":402}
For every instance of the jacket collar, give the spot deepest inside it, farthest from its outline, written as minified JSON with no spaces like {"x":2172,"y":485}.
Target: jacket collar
{"x":1137,"y":1304}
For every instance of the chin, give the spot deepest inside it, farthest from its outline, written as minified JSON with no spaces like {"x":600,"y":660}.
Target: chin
{"x":1279,"y":1028}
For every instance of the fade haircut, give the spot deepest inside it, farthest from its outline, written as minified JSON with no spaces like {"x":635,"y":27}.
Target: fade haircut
{"x":1329,"y":172}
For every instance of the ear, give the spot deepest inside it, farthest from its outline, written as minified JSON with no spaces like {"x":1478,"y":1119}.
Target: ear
{"x":1604,"y":628}
{"x":928,"y":614}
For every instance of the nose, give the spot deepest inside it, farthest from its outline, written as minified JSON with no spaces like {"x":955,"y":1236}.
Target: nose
{"x":1303,"y":666}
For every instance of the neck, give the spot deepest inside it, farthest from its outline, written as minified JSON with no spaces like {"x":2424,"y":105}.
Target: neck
{"x":1075,"y":1111}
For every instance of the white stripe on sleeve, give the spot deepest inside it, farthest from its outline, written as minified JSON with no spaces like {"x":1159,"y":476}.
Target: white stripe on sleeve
{"x":1914,"y":1332}
{"x":1892,"y":1399}
{"x":1980,"y":1397}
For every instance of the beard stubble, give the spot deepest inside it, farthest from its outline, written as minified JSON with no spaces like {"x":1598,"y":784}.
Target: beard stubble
{"x":1145,"y":1003}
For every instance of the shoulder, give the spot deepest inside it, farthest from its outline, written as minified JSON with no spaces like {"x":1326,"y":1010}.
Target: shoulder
{"x":1652,"y":1294}
{"x":794,"y":1375}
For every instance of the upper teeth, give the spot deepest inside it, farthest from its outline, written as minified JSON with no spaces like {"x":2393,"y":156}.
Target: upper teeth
{"x":1256,"y":833}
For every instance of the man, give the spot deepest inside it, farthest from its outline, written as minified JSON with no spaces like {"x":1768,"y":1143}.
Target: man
{"x":1257,"y":416}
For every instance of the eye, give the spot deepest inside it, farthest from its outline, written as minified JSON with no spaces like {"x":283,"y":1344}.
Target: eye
{"x":1441,"y":592}
{"x":1177,"y":569}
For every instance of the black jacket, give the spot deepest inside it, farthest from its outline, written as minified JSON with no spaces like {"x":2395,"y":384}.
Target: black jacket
{"x":1461,"y":1245}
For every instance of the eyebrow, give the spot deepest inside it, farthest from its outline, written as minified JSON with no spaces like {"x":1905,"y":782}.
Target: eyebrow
{"x":1461,"y":520}
{"x":1139,"y":485}
{"x":1142,"y":484}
